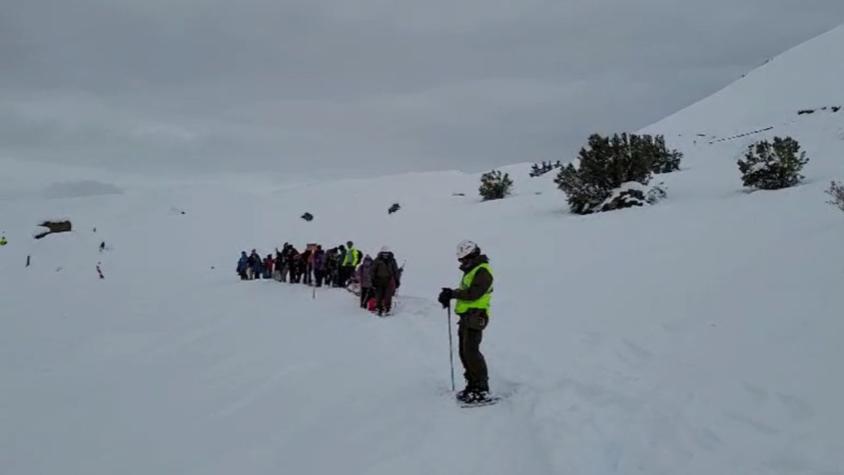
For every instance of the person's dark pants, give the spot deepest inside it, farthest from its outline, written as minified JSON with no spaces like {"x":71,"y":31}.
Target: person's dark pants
{"x":243,"y":275}
{"x":384,"y":297}
{"x":365,"y":293}
{"x":343,"y":275}
{"x":380,"y":291}
{"x":470,"y":332}
{"x":318,"y":278}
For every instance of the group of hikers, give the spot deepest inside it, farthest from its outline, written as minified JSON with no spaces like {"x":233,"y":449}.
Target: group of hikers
{"x":378,"y":278}
{"x":345,"y":266}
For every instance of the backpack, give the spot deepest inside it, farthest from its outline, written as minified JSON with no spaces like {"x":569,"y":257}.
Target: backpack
{"x":382,"y":271}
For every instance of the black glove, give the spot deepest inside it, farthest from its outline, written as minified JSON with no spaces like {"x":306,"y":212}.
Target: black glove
{"x":445,"y":297}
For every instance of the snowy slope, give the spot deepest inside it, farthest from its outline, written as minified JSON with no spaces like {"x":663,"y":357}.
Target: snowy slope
{"x":807,"y":77}
{"x":698,"y":336}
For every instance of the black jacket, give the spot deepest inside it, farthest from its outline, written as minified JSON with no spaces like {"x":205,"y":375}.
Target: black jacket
{"x":385,"y":269}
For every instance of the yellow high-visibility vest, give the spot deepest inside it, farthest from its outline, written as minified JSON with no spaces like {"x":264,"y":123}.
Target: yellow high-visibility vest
{"x":483,"y":303}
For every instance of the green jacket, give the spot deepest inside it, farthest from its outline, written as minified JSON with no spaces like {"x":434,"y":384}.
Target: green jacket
{"x":352,"y":258}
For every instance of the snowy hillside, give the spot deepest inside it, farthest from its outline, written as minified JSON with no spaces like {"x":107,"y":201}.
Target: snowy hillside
{"x":805,"y":78}
{"x":698,"y":336}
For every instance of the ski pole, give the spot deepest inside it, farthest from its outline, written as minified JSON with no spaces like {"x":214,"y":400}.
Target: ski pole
{"x":450,"y":348}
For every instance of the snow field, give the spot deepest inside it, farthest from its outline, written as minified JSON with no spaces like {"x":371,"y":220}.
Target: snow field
{"x":697,"y":336}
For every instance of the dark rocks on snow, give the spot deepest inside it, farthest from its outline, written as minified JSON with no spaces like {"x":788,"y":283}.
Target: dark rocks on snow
{"x":54,"y":227}
{"x":624,"y":199}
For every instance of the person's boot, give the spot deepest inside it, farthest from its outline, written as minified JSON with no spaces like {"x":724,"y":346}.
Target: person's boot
{"x":464,"y":394}
{"x":476,"y":397}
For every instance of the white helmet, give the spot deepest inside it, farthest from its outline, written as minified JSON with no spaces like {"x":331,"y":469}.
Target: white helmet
{"x":385,"y":249}
{"x":466,"y":248}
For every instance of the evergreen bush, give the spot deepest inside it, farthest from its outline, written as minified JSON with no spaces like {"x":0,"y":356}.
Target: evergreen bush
{"x":613,"y":172}
{"x":495,"y":185}
{"x":773,"y":166}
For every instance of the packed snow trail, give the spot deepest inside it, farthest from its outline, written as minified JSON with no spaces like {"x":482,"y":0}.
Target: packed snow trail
{"x":215,"y":389}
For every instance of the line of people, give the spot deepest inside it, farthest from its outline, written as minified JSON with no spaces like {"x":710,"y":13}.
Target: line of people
{"x":251,"y":266}
{"x":376,"y":280}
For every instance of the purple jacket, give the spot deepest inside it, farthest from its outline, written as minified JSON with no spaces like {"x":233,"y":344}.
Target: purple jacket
{"x":319,"y":261}
{"x":365,"y":273}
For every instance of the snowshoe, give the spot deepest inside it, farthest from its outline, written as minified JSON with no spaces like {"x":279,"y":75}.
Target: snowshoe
{"x":478,"y":399}
{"x":462,"y":395}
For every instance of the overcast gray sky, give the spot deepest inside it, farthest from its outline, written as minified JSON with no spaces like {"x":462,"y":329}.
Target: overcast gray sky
{"x":371,"y":85}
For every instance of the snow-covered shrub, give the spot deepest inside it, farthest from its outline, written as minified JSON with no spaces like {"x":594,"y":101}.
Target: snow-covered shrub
{"x":836,"y":191}
{"x":633,"y":194}
{"x":772,"y":166}
{"x":612,"y":173}
{"x":537,"y":169}
{"x":495,"y":185}
{"x":664,"y":160}
{"x":627,"y":195}
{"x":656,"y":194}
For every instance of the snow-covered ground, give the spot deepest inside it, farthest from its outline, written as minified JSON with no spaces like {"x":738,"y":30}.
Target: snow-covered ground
{"x":698,"y":336}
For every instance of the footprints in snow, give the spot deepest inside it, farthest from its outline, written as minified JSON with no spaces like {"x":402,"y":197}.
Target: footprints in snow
{"x":796,"y":408}
{"x":628,"y":351}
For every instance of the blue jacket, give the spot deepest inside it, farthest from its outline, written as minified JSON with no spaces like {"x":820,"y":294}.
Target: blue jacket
{"x":241,"y":263}
{"x":257,"y":263}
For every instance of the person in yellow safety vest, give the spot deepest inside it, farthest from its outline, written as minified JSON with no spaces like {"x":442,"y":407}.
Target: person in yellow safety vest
{"x":350,"y":262}
{"x":472,"y":305}
{"x":3,"y":241}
